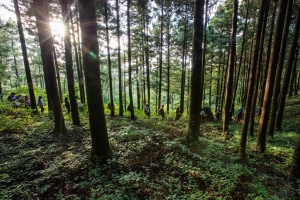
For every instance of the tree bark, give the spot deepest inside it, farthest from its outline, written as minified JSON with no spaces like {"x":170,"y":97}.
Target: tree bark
{"x":160,"y":53}
{"x":263,"y":123}
{"x":69,"y":63}
{"x":267,"y":60}
{"x":112,"y":110}
{"x":46,"y":44}
{"x":25,"y":57}
{"x":276,"y":90}
{"x":129,"y":61}
{"x":101,"y":150}
{"x":121,"y":109}
{"x":259,"y":67}
{"x":230,"y":73}
{"x":252,"y":78}
{"x":197,"y":62}
{"x":78,"y":63}
{"x":287,"y":75}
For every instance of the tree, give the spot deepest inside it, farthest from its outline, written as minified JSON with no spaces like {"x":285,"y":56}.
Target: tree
{"x":78,"y":61}
{"x":101,"y":150}
{"x":69,"y":63}
{"x":112,"y":110}
{"x":276,"y":90}
{"x":197,"y":66}
{"x":121,"y":110}
{"x":160,"y":53}
{"x":230,"y":72}
{"x":46,"y":44}
{"x":295,"y":170}
{"x":25,"y":57}
{"x":263,"y":123}
{"x":287,"y":75}
{"x":252,"y":79}
{"x":129,"y":61}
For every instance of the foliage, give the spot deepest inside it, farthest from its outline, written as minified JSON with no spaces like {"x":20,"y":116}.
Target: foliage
{"x":151,"y":160}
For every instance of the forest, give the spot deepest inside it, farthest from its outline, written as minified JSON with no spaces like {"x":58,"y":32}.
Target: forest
{"x":149,"y":99}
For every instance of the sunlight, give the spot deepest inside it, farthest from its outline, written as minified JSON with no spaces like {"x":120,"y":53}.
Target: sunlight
{"x":57,"y":28}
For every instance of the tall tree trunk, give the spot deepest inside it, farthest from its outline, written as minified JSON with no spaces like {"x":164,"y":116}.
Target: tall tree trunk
{"x":168,"y":63}
{"x":194,"y":121}
{"x":78,"y":65}
{"x":101,"y":150}
{"x":288,"y":71}
{"x":69,"y":63}
{"x":138,"y":94}
{"x":25,"y":57}
{"x":160,"y":53}
{"x":241,"y":57}
{"x":124,"y":78}
{"x":15,"y":60}
{"x":263,"y":123}
{"x":46,"y":44}
{"x":81,"y":80}
{"x":259,"y":67}
{"x":230,"y":73}
{"x":293,"y":78}
{"x":202,"y":89}
{"x":252,"y":79}
{"x":121,"y":109}
{"x":268,"y":54}
{"x":183,"y":63}
{"x":57,"y":75}
{"x":295,"y":168}
{"x":129,"y":61}
{"x":276,"y":90}
{"x":294,"y":75}
{"x":112,"y":110}
{"x":147,"y":60}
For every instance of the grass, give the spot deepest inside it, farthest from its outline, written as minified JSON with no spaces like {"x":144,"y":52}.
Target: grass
{"x":152,"y":160}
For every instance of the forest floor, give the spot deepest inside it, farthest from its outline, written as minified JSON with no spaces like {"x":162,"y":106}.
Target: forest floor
{"x":151,"y":160}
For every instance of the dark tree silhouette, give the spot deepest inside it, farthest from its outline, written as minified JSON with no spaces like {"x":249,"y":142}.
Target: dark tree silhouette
{"x":101,"y":150}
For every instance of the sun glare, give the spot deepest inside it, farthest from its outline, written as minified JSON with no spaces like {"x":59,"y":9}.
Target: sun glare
{"x":57,"y":28}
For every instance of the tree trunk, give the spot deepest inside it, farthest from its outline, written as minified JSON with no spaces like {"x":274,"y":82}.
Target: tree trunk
{"x":241,"y":57}
{"x":101,"y":150}
{"x":268,"y":54}
{"x":263,"y":123}
{"x":138,"y":94}
{"x":230,"y":73}
{"x":252,"y":78}
{"x":295,"y":168}
{"x":183,"y":64}
{"x":197,"y":62}
{"x":147,"y":60}
{"x":160,"y":53}
{"x":25,"y":57}
{"x":168,"y":63}
{"x":112,"y":110}
{"x":288,"y":71}
{"x":293,"y":79}
{"x":46,"y":44}
{"x":129,"y":61}
{"x":202,"y":89}
{"x":276,"y":90}
{"x":121,"y":109}
{"x":78,"y":59}
{"x":69,"y":63}
{"x":81,"y":80}
{"x":259,"y":67}
{"x":57,"y":75}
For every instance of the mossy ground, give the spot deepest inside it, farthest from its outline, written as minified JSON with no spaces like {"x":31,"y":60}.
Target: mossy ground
{"x":151,"y":160}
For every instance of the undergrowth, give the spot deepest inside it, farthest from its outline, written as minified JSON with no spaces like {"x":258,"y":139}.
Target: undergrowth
{"x":151,"y":160}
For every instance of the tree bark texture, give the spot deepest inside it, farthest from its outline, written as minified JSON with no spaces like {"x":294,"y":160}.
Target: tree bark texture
{"x":101,"y":150}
